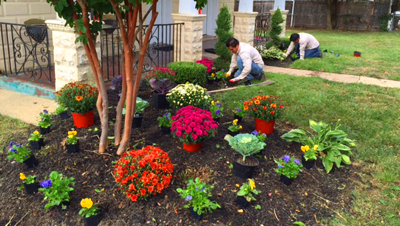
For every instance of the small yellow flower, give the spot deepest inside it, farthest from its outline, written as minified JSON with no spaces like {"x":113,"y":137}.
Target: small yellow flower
{"x":212,"y":74}
{"x":305,"y":148}
{"x":315,"y":147}
{"x":284,"y":51}
{"x":36,"y":132}
{"x":70,"y":136}
{"x":235,"y":122}
{"x":252,"y":184}
{"x":22,"y":176}
{"x":227,"y":75}
{"x":240,"y":127}
{"x":237,"y":185}
{"x":212,"y":103}
{"x":87,"y":203}
{"x":187,"y":83}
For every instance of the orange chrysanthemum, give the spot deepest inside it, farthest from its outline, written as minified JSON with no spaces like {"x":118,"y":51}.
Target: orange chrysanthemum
{"x":78,"y":98}
{"x":257,"y":102}
{"x":273,"y":105}
{"x":246,"y":108}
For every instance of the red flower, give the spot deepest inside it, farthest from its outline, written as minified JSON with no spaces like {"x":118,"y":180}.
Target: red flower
{"x":150,"y":189}
{"x":134,"y":198}
{"x":272,"y":112}
{"x":143,"y":191}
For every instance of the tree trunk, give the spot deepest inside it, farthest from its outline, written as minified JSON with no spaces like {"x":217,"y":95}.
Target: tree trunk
{"x":328,"y":14}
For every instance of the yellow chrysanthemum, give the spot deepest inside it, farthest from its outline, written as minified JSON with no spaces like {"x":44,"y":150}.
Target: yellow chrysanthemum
{"x":22,"y":176}
{"x":235,"y":122}
{"x":36,"y":132}
{"x":87,"y":203}
{"x":252,"y":184}
{"x":305,"y":148}
{"x":315,"y":147}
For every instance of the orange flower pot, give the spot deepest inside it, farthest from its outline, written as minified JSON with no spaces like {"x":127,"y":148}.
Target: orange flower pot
{"x":192,"y":147}
{"x":264,"y":126}
{"x":83,"y":121}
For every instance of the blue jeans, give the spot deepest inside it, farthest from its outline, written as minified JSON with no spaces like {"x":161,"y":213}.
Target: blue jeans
{"x":309,"y":53}
{"x":254,"y":72}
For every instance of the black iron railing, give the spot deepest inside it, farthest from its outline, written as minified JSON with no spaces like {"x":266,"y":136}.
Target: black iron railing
{"x":163,"y":41}
{"x":25,"y":51}
{"x":261,"y":28}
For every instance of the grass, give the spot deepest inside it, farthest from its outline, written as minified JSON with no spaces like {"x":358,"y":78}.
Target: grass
{"x":379,"y":58}
{"x":370,"y":115}
{"x":10,"y":128}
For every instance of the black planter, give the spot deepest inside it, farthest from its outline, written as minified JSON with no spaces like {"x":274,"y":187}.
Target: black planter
{"x":244,"y":171}
{"x":36,"y":145}
{"x":165,"y":130}
{"x":31,"y":188}
{"x":307,"y":164}
{"x":93,"y":220}
{"x":238,"y":118}
{"x":210,"y":81}
{"x":357,"y":53}
{"x":216,"y":119}
{"x":242,"y":201}
{"x":44,"y":131}
{"x":195,"y":215}
{"x":64,"y":115}
{"x":31,"y":161}
{"x":233,"y":133}
{"x":137,"y":121}
{"x":286,"y":180}
{"x":65,"y":203}
{"x":73,"y":148}
{"x":160,"y":101}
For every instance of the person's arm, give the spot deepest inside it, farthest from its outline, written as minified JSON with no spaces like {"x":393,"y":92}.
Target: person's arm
{"x":290,"y":49}
{"x":233,"y":64}
{"x":302,"y":50}
{"x":246,"y":67}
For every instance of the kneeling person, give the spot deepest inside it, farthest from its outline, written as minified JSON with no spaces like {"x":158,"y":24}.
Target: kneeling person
{"x":305,"y":44}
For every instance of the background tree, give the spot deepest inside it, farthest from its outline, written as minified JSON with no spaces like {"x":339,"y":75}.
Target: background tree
{"x":276,"y":28}
{"x":331,"y":14}
{"x":223,"y":32}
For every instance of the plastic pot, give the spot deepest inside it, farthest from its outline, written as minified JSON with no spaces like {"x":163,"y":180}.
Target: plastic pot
{"x":31,"y":161}
{"x":195,"y":215}
{"x":242,"y":201}
{"x":165,"y":130}
{"x":286,"y":180}
{"x":238,"y":118}
{"x":160,"y":101}
{"x":44,"y":131}
{"x":36,"y":145}
{"x":308,"y":164}
{"x":245,"y":169}
{"x":83,"y":120}
{"x":264,"y":126}
{"x":73,"y":148}
{"x":64,"y":115}
{"x":31,"y":188}
{"x":192,"y":147}
{"x":93,"y":220}
{"x":233,"y":133}
{"x":137,"y":121}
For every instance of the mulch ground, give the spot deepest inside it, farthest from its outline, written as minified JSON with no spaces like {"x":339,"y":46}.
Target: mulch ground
{"x":277,"y":63}
{"x":312,"y":196}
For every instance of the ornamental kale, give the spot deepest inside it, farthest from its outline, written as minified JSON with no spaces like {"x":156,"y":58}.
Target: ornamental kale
{"x":140,"y":106}
{"x":246,"y":144}
{"x":162,"y":86}
{"x":56,"y":190}
{"x":18,"y":152}
{"x":288,"y":167}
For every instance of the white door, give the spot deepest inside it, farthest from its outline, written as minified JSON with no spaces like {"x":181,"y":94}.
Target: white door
{"x":210,"y":23}
{"x":161,"y":33}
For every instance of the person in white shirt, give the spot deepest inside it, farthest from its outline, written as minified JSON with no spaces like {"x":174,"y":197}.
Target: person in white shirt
{"x":305,"y":44}
{"x":247,"y":59}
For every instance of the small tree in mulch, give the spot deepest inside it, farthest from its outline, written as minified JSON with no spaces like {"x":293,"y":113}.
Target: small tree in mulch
{"x":223,"y":32}
{"x":276,"y":29}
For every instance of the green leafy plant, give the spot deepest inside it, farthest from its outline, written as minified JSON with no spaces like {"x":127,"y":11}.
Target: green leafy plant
{"x":222,"y":75}
{"x":272,"y":53}
{"x":246,"y":144}
{"x":140,"y":106}
{"x":197,"y":195}
{"x":235,"y":127}
{"x":56,"y":189}
{"x":310,"y":154}
{"x":333,"y":144}
{"x":35,"y":136}
{"x":78,"y":97}
{"x":165,"y":120}
{"x":223,"y":32}
{"x":188,"y":94}
{"x":189,"y":72}
{"x":88,"y":208}
{"x":45,"y":121}
{"x":18,"y":152}
{"x":289,"y":167}
{"x":260,"y":136}
{"x":239,"y":110}
{"x":27,"y":180}
{"x":72,"y":139}
{"x":60,"y":110}
{"x":247,"y":190}
{"x":276,"y":28}
{"x":216,"y":109}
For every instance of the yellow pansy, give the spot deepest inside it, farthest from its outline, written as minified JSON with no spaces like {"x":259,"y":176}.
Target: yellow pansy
{"x":70,"y":136}
{"x":22,"y":176}
{"x":87,"y":203}
{"x":305,"y":148}
{"x":212,"y":74}
{"x":227,"y":75}
{"x":315,"y":147}
{"x":313,"y":123}
{"x":212,"y":103}
{"x":72,"y":132}
{"x":235,"y":122}
{"x":36,"y":132}
{"x":252,"y":184}
{"x":240,"y":127}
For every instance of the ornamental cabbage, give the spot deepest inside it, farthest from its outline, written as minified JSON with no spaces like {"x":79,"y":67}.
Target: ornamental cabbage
{"x":246,"y":144}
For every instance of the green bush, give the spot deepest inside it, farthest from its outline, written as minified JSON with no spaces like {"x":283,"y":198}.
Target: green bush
{"x":223,"y":32}
{"x":189,"y":72}
{"x":285,"y":42}
{"x":276,"y":29}
{"x":220,"y":64}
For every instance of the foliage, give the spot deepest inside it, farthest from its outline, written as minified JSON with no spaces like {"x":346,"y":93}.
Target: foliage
{"x":56,"y":190}
{"x":276,"y":28}
{"x":78,"y":97}
{"x":261,"y":136}
{"x":18,"y":152}
{"x":188,"y":94}
{"x":384,"y":19}
{"x":161,"y":73}
{"x":116,"y":83}
{"x":310,"y":153}
{"x":222,"y":75}
{"x":288,"y":167}
{"x":60,"y":110}
{"x":88,"y":208}
{"x":264,"y":107}
{"x":206,"y":62}
{"x":72,"y":139}
{"x":247,"y":190}
{"x":189,"y":72}
{"x":27,"y":180}
{"x":45,"y":121}
{"x":197,"y":194}
{"x":239,"y":110}
{"x":333,"y":144}
{"x":271,"y":53}
{"x":216,"y":109}
{"x":143,"y":173}
{"x":246,"y":144}
{"x":140,"y":106}
{"x":285,"y":43}
{"x":192,"y":125}
{"x":235,"y":127}
{"x":165,"y":120}
{"x":211,"y":76}
{"x":223,"y":32}
{"x":35,"y":136}
{"x":162,"y":86}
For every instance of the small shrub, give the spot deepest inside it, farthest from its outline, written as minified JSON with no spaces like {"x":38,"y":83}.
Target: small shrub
{"x":276,"y":28}
{"x":189,"y":72}
{"x":223,"y":32}
{"x":220,"y":64}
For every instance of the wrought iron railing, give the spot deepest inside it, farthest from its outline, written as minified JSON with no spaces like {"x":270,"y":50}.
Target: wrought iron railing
{"x":25,"y":51}
{"x":162,"y":49}
{"x":261,"y":28}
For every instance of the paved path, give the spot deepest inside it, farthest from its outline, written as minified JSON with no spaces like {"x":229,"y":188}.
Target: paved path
{"x":335,"y":77}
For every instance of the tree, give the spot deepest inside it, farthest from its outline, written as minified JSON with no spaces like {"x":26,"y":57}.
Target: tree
{"x":276,"y":28}
{"x":223,"y":32}
{"x":331,"y":14}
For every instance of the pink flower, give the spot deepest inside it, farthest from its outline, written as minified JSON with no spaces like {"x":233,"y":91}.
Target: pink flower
{"x":199,"y":132}
{"x":178,"y":133}
{"x":194,"y":136}
{"x":189,"y":130}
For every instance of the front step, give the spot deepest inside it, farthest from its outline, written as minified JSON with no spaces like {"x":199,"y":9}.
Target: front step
{"x":27,"y":87}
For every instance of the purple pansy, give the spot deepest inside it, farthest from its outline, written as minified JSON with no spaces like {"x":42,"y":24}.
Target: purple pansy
{"x":12,"y":150}
{"x":254,"y":132}
{"x":218,"y":104}
{"x":46,"y":184}
{"x":188,"y":198}
{"x":286,"y":158}
{"x":223,"y":70}
{"x":45,"y":111}
{"x":11,"y":144}
{"x":280,"y":166}
{"x":238,"y":110}
{"x":297,"y":161}
{"x":217,"y":112}
{"x":166,"y":116}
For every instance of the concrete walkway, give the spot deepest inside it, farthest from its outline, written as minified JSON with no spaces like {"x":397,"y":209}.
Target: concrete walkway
{"x":334,"y":77}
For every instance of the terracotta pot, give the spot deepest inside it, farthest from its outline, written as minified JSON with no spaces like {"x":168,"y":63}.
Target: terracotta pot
{"x":192,"y":147}
{"x":264,"y":126}
{"x":83,"y":121}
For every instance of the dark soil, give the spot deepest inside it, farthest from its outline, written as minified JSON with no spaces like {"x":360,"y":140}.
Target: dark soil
{"x":311,"y":197}
{"x":277,"y":63}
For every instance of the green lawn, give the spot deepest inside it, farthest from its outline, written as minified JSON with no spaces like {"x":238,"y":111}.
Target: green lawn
{"x":10,"y":128}
{"x":380,"y":53}
{"x":370,"y":115}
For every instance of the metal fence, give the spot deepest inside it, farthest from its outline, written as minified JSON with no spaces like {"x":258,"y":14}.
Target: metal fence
{"x":261,"y":28}
{"x":25,"y":51}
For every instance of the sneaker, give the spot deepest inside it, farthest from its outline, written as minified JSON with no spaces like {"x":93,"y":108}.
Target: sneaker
{"x":261,"y":76}
{"x":247,"y":83}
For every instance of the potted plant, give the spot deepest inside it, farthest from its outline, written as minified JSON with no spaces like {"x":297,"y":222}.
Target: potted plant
{"x":90,"y":212}
{"x":56,"y":190}
{"x":211,"y":78}
{"x":193,"y":125}
{"x":165,"y":123}
{"x":288,"y":169}
{"x":245,"y":193}
{"x":246,"y":145}
{"x":188,"y":94}
{"x":143,"y":173}
{"x":206,"y":62}
{"x":36,"y":140}
{"x":197,"y":195}
{"x":221,"y":75}
{"x":80,"y":99}
{"x":160,"y":89}
{"x":116,"y":84}
{"x":265,"y":110}
{"x":62,"y":112}
{"x":216,"y":110}
{"x":310,"y":156}
{"x":139,"y":109}
{"x":45,"y":122}
{"x":234,"y":129}
{"x":239,"y":112}
{"x":72,"y":142}
{"x":29,"y":183}
{"x":22,"y":155}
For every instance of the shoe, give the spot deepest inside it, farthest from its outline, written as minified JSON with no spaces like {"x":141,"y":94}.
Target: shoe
{"x":325,"y":51}
{"x":261,"y":76}
{"x":247,"y":83}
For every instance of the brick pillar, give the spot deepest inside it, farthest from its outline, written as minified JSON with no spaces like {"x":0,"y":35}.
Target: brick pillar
{"x":70,"y":61}
{"x":283,"y":24}
{"x":244,"y":26}
{"x":188,"y":43}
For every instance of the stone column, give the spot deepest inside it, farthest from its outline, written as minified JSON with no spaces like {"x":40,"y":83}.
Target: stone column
{"x":70,"y":61}
{"x":188,"y":40}
{"x":283,"y":24}
{"x":244,"y":26}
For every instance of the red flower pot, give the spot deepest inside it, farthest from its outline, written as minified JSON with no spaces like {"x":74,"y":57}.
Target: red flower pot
{"x":192,"y":147}
{"x":83,"y":121}
{"x":264,"y":126}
